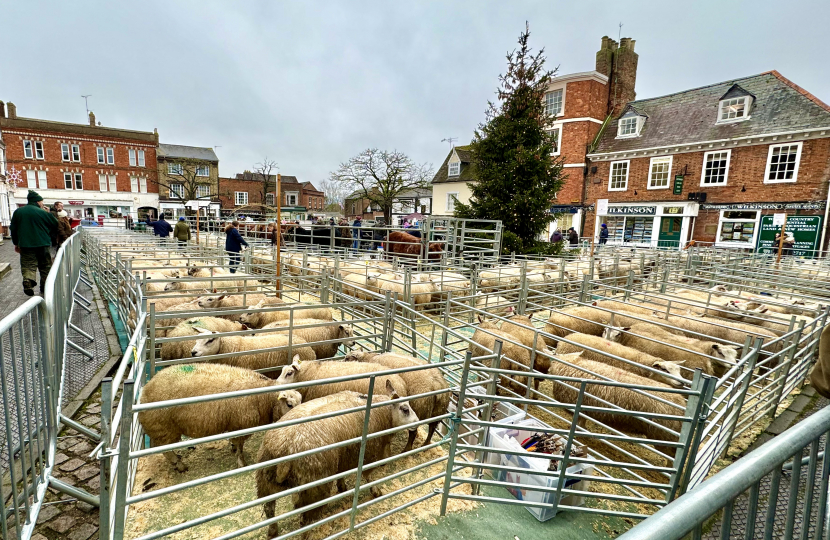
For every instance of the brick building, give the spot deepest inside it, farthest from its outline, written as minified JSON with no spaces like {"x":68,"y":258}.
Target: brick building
{"x":579,"y":104}
{"x":709,"y":163}
{"x":187,"y":173}
{"x":95,"y":171}
{"x":243,"y":194}
{"x":6,"y":206}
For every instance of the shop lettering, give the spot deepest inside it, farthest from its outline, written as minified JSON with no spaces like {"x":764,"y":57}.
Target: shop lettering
{"x":627,"y":210}
{"x":673,"y":210}
{"x":76,"y":203}
{"x":815,"y":205}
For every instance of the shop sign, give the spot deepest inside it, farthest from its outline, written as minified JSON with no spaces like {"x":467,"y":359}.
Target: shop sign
{"x":810,"y":205}
{"x":632,"y":210}
{"x":76,"y":203}
{"x":678,"y":184}
{"x":564,"y":209}
{"x":672,"y":210}
{"x":805,"y":229}
{"x":602,"y":207}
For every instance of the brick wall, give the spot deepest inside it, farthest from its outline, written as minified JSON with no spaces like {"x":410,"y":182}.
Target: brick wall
{"x":312,"y":199}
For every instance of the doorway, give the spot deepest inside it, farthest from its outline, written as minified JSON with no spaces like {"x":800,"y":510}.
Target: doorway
{"x":670,"y":232}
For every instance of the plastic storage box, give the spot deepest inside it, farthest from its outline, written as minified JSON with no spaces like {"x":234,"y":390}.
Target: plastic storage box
{"x":510,"y":439}
{"x":504,"y":412}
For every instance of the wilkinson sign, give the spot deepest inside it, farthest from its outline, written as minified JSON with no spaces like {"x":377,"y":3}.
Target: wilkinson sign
{"x":629,"y":210}
{"x":810,"y":205}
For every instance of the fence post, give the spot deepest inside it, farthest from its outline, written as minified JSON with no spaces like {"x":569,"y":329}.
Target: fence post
{"x":106,"y":436}
{"x":492,"y":388}
{"x":123,"y":457}
{"x":454,"y":423}
{"x":523,"y":288}
{"x":707,"y":390}
{"x":446,"y":324}
{"x":359,"y":474}
{"x":566,"y":453}
{"x":785,"y":369}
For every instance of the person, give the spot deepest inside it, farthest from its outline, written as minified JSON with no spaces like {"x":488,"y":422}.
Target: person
{"x":331,"y":221}
{"x":358,"y":222}
{"x":556,"y":236}
{"x":161,"y":227}
{"x":233,"y":245}
{"x":406,"y":224}
{"x":54,"y":209}
{"x":789,"y":243}
{"x":603,"y":234}
{"x":182,"y":232}
{"x":64,"y":227}
{"x":573,"y":237}
{"x":33,"y":228}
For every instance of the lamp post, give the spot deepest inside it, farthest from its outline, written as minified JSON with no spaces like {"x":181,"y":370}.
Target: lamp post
{"x":279,"y":235}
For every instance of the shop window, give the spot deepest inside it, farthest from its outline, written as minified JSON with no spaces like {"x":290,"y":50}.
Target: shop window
{"x":632,"y":229}
{"x":738,"y":227}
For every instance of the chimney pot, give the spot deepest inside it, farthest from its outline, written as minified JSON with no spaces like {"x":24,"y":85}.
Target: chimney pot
{"x":12,"y":110}
{"x":91,"y":118}
{"x":2,"y":110}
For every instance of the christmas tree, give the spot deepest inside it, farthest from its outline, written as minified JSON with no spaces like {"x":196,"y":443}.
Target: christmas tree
{"x":516,"y":177}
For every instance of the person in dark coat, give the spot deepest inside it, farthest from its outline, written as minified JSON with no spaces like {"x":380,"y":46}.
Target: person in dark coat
{"x":573,"y":237}
{"x":233,"y":245}
{"x":556,"y":236}
{"x":603,"y":234}
{"x":358,"y":222}
{"x":161,"y":227}
{"x":33,"y":229}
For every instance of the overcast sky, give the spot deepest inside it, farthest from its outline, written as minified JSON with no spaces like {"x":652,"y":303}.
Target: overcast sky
{"x":311,"y":84}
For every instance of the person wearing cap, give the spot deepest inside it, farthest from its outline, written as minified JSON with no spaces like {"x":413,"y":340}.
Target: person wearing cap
{"x":182,"y":232}
{"x":233,"y":245}
{"x":603,"y":234}
{"x":64,"y":227}
{"x":161,"y":227}
{"x":33,"y":228}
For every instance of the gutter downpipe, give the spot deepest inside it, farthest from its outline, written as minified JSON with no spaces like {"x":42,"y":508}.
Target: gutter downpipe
{"x":824,"y":225}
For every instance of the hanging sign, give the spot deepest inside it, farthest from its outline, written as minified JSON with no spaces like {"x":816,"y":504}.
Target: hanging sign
{"x":678,"y":184}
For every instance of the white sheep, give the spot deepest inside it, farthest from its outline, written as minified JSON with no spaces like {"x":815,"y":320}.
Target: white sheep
{"x":321,"y":370}
{"x":257,"y":357}
{"x":314,"y":335}
{"x":191,"y":327}
{"x":263,"y":318}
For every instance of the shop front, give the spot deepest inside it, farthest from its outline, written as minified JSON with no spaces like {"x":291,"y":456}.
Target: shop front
{"x":664,"y":225}
{"x":567,"y":216}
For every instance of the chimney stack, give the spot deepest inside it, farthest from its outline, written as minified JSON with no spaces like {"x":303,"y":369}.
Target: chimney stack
{"x":619,"y":63}
{"x":91,"y":118}
{"x":2,"y":110}
{"x":12,"y":110}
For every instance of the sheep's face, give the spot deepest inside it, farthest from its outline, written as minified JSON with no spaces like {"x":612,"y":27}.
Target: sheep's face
{"x":173,"y":286}
{"x":209,"y":302}
{"x":403,"y":414}
{"x":193,"y":270}
{"x":286,"y":400}
{"x":672,"y":368}
{"x":355,"y":356}
{"x":345,"y":331}
{"x":719,"y":288}
{"x":613,"y":333}
{"x":207,"y":346}
{"x":290,"y":374}
{"x":729,"y":353}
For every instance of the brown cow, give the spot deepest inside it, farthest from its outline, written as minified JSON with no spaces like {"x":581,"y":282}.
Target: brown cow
{"x":406,"y":245}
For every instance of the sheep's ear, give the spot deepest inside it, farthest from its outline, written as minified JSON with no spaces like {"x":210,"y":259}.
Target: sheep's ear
{"x":244,"y":326}
{"x":295,"y":362}
{"x":203,"y":331}
{"x":391,"y":390}
{"x":715,"y":346}
{"x":222,"y":297}
{"x":679,"y":362}
{"x":593,"y":303}
{"x":480,"y":319}
{"x":282,"y":397}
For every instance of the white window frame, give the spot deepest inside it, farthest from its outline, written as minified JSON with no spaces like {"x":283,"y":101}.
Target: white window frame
{"x":102,"y":182}
{"x":141,"y":161}
{"x":561,"y":110}
{"x":66,"y":153}
{"x":2,"y":160}
{"x":28,"y":149}
{"x":792,"y":180}
{"x":113,"y":182}
{"x":110,"y":155}
{"x":133,"y":161}
{"x":142,"y":185}
{"x":134,"y":184}
{"x":238,"y":198}
{"x":723,"y":103}
{"x":176,"y":191}
{"x":39,"y":154}
{"x":41,"y":180}
{"x":269,"y":199}
{"x":638,"y":121}
{"x":79,"y":181}
{"x":611,"y":174}
{"x":31,"y":179}
{"x":174,"y":168}
{"x":68,"y":180}
{"x":751,"y":243}
{"x":728,"y":152}
{"x":289,"y":196}
{"x":657,"y":160}
{"x":454,"y":165}
{"x":452,"y":198}
{"x":76,"y":152}
{"x":203,"y":168}
{"x":557,"y":128}
{"x":203,"y":191}
{"x":99,"y":151}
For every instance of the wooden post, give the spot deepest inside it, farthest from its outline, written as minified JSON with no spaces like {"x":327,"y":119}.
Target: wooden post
{"x":197,"y":221}
{"x":781,"y":241}
{"x":279,"y":235}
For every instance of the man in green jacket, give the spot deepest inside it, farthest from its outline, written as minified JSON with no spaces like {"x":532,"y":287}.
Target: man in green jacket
{"x":33,"y":228}
{"x":182,"y":232}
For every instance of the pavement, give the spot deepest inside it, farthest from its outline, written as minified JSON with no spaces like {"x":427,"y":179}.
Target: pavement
{"x":11,"y":282}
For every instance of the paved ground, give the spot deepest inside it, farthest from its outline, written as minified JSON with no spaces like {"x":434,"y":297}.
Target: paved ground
{"x":11,"y":284}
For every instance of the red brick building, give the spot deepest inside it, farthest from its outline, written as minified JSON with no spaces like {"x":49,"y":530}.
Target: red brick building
{"x":709,"y":163}
{"x":243,"y":194}
{"x":95,"y":171}
{"x":579,"y":104}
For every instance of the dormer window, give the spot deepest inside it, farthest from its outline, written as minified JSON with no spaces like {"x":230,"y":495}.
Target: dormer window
{"x":630,"y":123}
{"x":734,"y":109}
{"x":628,"y":127}
{"x":454,"y":169}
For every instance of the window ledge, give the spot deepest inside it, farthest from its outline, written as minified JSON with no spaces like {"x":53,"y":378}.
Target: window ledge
{"x":793,"y":181}
{"x":618,"y":189}
{"x":733,"y":120}
{"x":630,"y":136}
{"x":712,"y":185}
{"x":661,"y":187}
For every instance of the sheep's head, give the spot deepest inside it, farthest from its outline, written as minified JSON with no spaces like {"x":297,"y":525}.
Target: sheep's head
{"x":485,"y":324}
{"x":208,"y":345}
{"x":289,"y":373}
{"x":614,"y":333}
{"x":345,"y":331}
{"x":570,"y":358}
{"x":402,"y":413}
{"x":719,"y":288}
{"x":727,"y":353}
{"x":249,"y":318}
{"x":210,"y":302}
{"x":192,"y":270}
{"x":174,"y":286}
{"x":672,"y":368}
{"x":286,"y":400}
{"x":355,"y":356}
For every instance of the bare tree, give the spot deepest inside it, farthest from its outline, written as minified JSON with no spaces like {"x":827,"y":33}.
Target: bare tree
{"x":381,"y":177}
{"x":183,"y":178}
{"x":335,"y":193}
{"x":265,"y":173}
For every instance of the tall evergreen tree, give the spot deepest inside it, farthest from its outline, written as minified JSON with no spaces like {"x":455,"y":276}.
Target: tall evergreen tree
{"x":516,"y":178}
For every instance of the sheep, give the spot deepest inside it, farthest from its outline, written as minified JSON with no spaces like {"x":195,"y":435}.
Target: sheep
{"x":496,"y":305}
{"x":624,"y":398}
{"x":166,"y":426}
{"x":191,"y":327}
{"x":638,"y":358}
{"x":569,"y":320}
{"x":263,"y":318}
{"x":420,"y":291}
{"x":666,"y":348}
{"x":446,"y":282}
{"x":319,"y":370}
{"x":221,"y":282}
{"x":211,"y":344}
{"x":296,"y":439}
{"x":173,"y":322}
{"x":417,"y":382}
{"x":355,"y":284}
{"x":215,"y":301}
{"x":499,"y":277}
{"x":205,"y":271}
{"x":313,"y":335}
{"x":717,"y":328}
{"x":483,"y":343}
{"x":522,"y":329}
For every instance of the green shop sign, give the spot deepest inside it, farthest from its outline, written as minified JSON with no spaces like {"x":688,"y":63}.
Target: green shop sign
{"x":805,"y":229}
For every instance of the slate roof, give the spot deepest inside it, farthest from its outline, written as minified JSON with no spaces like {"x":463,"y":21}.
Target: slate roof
{"x":186,"y":152}
{"x":466,"y":157}
{"x":689,"y":117}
